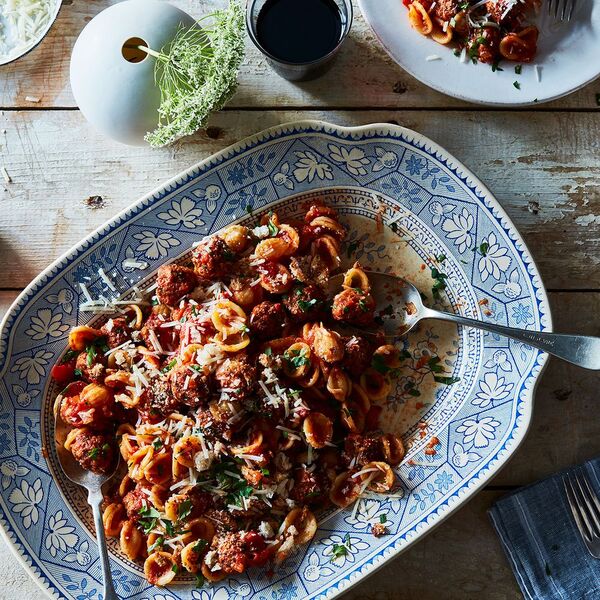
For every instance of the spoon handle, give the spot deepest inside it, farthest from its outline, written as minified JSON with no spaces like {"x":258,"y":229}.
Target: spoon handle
{"x":581,"y":350}
{"x":95,"y":501}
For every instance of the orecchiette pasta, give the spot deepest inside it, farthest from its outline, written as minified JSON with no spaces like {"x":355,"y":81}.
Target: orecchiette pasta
{"x":238,"y":404}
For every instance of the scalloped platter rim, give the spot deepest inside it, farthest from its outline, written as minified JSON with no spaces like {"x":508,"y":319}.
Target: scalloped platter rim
{"x":384,"y":180}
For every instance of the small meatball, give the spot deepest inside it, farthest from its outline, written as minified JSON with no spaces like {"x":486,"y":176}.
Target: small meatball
{"x":223,"y":520}
{"x":309,"y":268}
{"x":237,"y":376}
{"x":305,"y":303}
{"x":357,"y":355}
{"x":92,"y":365}
{"x":267,"y":320}
{"x":500,"y":12}
{"x":168,"y":337}
{"x":309,"y":487}
{"x":94,"y":451}
{"x":157,"y":401}
{"x":133,"y":501}
{"x":379,"y":529}
{"x":117,"y":332}
{"x":201,"y":502}
{"x":212,"y":259}
{"x":446,"y":9}
{"x":364,"y":448}
{"x":174,"y":282}
{"x":485,"y":45}
{"x":230,"y":552}
{"x":353,"y":306}
{"x":189,"y":386}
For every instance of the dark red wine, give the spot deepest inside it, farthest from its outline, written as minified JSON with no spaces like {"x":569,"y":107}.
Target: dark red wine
{"x":299,"y":31}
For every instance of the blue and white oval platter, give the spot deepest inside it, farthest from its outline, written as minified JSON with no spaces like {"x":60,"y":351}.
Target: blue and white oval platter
{"x":408,"y":206}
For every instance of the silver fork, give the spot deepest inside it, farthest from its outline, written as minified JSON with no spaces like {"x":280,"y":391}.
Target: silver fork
{"x":585,"y":507}
{"x":561,"y":9}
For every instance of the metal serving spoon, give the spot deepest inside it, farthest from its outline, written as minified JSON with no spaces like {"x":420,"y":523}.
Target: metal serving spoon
{"x":400,"y":305}
{"x":93,"y":483}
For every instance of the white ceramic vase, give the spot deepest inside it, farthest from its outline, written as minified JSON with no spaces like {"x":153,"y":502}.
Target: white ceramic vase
{"x":119,"y":97}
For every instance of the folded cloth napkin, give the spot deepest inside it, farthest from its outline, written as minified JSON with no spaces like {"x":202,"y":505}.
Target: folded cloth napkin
{"x":543,"y":546}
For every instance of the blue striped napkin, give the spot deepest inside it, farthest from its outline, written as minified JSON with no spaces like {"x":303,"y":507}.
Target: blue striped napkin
{"x":543,"y":546}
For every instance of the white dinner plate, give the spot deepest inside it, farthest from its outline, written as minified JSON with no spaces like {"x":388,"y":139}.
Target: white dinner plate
{"x":568,"y":57}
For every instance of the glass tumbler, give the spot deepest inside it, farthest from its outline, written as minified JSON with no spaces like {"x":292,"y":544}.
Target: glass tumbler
{"x":299,"y":71}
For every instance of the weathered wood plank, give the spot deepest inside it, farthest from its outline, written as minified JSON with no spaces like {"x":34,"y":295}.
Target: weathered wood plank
{"x":550,"y":190}
{"x":363,"y":76}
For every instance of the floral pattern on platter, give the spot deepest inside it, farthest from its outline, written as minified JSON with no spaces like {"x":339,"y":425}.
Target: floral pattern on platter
{"x":380,"y":178}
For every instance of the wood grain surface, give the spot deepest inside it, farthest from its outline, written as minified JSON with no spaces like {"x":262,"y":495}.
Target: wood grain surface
{"x":542,"y":164}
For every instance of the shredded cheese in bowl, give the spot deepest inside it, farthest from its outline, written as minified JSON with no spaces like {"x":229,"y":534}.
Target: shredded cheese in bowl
{"x":23,"y":23}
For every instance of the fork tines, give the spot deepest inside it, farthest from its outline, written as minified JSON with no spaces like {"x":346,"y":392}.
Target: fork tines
{"x":585,"y":507}
{"x":561,"y":9}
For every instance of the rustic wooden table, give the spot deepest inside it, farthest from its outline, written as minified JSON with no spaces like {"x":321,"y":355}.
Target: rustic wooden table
{"x":542,"y":164}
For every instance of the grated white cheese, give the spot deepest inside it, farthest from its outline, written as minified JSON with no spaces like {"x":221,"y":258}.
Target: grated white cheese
{"x":22,"y":23}
{"x":106,"y":279}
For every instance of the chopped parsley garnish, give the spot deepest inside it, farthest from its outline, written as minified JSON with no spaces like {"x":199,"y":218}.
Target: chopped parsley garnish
{"x":169,"y":528}
{"x":157,"y":544}
{"x":296,"y":358}
{"x":200,"y":580}
{"x":379,"y":364}
{"x":363,"y":305}
{"x":196,"y":368}
{"x":273,"y":229}
{"x":105,"y":448}
{"x":518,"y":69}
{"x":382,"y":518}
{"x":305,"y":305}
{"x":265,"y":472}
{"x":228,"y":255}
{"x":495,"y":67}
{"x":268,"y":351}
{"x":167,"y":368}
{"x":184,"y":509}
{"x":149,"y":518}
{"x":157,"y":444}
{"x":446,"y":380}
{"x":483,"y":248}
{"x":338,"y":550}
{"x":199,"y":546}
{"x":463,"y":5}
{"x":69,"y":355}
{"x":94,"y":453}
{"x":91,"y":354}
{"x":77,"y":372}
{"x":174,"y":568}
{"x":517,"y":85}
{"x":439,"y":282}
{"x":411,"y":390}
{"x":434,"y":364}
{"x":441,"y":258}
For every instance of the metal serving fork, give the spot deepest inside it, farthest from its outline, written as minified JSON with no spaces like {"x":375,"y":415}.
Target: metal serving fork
{"x":585,"y":507}
{"x":561,"y":9}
